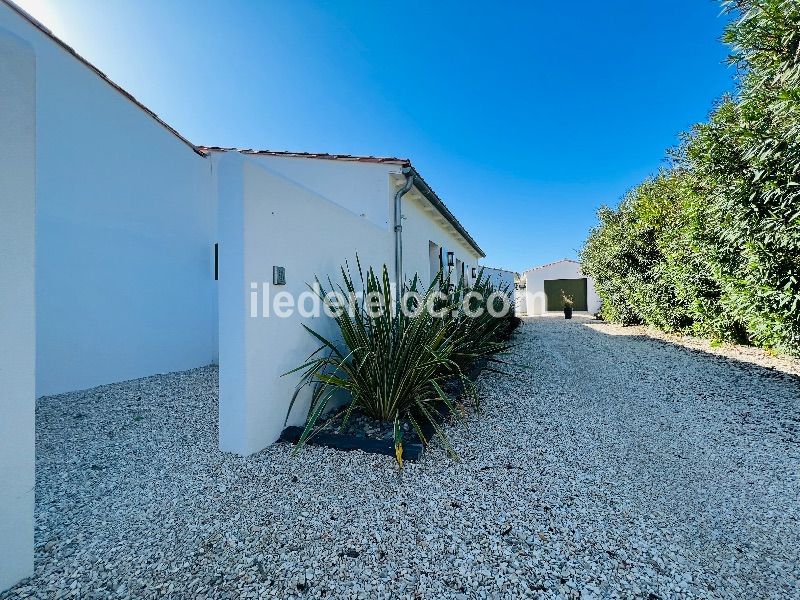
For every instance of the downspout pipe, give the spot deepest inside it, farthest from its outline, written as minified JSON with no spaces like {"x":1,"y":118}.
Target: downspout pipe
{"x":398,"y":230}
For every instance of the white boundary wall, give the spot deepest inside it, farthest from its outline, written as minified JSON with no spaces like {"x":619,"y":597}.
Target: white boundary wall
{"x":125,"y":224}
{"x":260,"y":207}
{"x":17,"y":306}
{"x":499,"y":277}
{"x":259,"y":212}
{"x":520,"y":302}
{"x":563,"y":269}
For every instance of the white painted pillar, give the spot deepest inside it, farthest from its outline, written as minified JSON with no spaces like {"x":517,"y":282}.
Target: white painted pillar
{"x":232,"y":307}
{"x":17,"y":308}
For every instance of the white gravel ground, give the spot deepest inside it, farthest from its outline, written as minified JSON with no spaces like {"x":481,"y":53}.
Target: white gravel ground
{"x":617,"y":466}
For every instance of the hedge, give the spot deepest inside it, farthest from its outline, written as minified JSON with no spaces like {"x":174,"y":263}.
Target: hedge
{"x":711,"y":244}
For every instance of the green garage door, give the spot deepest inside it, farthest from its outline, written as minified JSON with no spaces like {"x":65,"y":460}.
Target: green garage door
{"x":571,"y":287}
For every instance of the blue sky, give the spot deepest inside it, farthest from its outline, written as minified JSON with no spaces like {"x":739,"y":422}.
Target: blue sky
{"x":524,"y":116}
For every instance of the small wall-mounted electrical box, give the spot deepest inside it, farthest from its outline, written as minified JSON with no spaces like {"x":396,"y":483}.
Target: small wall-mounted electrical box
{"x":278,"y":275}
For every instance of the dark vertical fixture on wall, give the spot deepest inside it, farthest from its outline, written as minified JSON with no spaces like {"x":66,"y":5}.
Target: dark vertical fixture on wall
{"x":398,"y":231}
{"x":216,"y":262}
{"x":441,"y":268}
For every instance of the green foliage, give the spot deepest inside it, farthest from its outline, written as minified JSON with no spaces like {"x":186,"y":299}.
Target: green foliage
{"x":712,"y":245}
{"x":748,"y":157}
{"x":480,"y":334}
{"x":392,"y":365}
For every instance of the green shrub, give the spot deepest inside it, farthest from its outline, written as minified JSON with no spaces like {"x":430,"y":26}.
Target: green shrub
{"x":712,"y":245}
{"x":630,"y":254}
{"x":748,"y":158}
{"x":483,"y":336}
{"x":393,"y":366}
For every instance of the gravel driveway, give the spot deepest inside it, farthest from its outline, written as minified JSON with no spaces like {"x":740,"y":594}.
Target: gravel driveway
{"x":617,"y":466}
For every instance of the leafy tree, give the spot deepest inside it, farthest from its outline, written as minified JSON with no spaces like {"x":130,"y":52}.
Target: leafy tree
{"x":641,"y":256}
{"x":748,"y":159}
{"x":712,"y":244}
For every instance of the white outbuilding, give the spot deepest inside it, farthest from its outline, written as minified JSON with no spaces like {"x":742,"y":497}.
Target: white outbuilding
{"x":546,"y":285}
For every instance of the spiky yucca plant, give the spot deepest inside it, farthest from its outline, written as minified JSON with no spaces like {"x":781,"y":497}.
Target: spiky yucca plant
{"x":392,"y":365}
{"x":480,"y":334}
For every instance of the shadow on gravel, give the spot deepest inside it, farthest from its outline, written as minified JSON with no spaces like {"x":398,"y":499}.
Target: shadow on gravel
{"x":743,"y":363}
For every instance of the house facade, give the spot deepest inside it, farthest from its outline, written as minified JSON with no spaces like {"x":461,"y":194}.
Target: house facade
{"x":306,"y":214}
{"x":545,"y":284}
{"x":135,"y":252}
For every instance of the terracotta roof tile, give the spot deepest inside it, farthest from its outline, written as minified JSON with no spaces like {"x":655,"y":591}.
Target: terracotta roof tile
{"x":421,"y":184}
{"x":321,"y":155}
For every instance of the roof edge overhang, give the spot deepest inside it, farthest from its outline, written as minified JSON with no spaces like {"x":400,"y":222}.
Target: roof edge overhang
{"x":419,"y":181}
{"x":430,"y":195}
{"x":550,"y":264}
{"x":500,"y":269}
{"x":390,"y":160}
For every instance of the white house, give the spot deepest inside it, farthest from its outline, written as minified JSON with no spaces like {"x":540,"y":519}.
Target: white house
{"x":151,"y":253}
{"x":307,"y":214}
{"x":545,"y":284}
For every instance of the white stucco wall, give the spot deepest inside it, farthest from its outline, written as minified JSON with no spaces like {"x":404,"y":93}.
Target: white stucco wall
{"x":422,"y":224}
{"x":367,"y":191}
{"x":17,"y":306}
{"x":261,"y":230}
{"x":499,"y":277}
{"x":564,"y":269}
{"x":267,"y":219}
{"x":360,"y":187}
{"x":126,"y":226}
